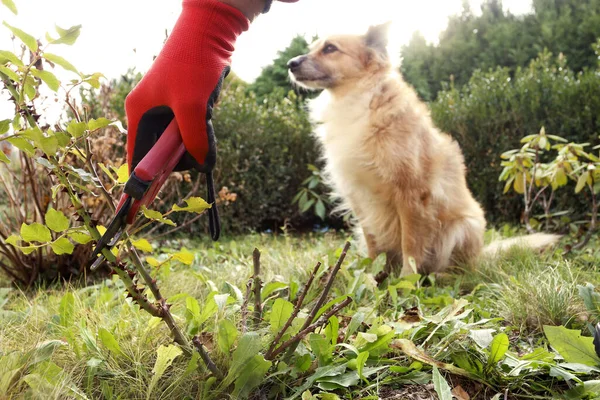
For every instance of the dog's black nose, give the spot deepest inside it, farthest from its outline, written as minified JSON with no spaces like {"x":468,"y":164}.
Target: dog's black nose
{"x":295,"y":63}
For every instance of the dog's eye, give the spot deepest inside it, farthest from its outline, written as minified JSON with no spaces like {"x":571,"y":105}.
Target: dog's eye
{"x":329,"y":49}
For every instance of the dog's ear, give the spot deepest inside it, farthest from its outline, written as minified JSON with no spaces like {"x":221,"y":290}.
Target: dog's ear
{"x":377,"y":37}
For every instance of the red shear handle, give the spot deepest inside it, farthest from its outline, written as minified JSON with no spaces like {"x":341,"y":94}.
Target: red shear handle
{"x":164,"y":155}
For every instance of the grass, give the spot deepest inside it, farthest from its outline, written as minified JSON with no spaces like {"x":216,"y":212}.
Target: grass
{"x":92,"y":342}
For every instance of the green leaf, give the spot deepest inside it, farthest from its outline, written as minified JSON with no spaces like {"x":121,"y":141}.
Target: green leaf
{"x":227,"y":335}
{"x":56,"y":220}
{"x":4,"y":158}
{"x":8,"y":56}
{"x":67,"y":36}
{"x":281,"y":312}
{"x":58,"y":60}
{"x":11,"y":6}
{"x":49,"y":145}
{"x":321,"y":347}
{"x":48,"y":77}
{"x":4,"y":126}
{"x":109,"y":341}
{"x":194,"y":204}
{"x":76,"y":129}
{"x":250,"y":376}
{"x":320,"y":209}
{"x":498,"y":348}
{"x":573,"y":347}
{"x":165,"y":357}
{"x":62,"y":246}
{"x":248,"y":347}
{"x":142,"y":244}
{"x":25,"y":37}
{"x":440,"y":385}
{"x":66,"y":310}
{"x":22,"y":144}
{"x":10,"y":73}
{"x":35,"y":232}
{"x":360,"y":363}
{"x":94,"y":124}
{"x":80,"y":237}
{"x":156,"y":216}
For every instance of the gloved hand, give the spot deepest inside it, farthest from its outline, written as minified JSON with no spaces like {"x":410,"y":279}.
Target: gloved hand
{"x":184,"y":81}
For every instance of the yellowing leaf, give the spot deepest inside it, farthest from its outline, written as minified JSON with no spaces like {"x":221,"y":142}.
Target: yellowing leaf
{"x":101,"y":229}
{"x":142,"y":244}
{"x":35,"y":233}
{"x":582,"y":181}
{"x":184,"y":257}
{"x":156,"y":216}
{"x":62,"y":246}
{"x":194,"y":204}
{"x":153,"y":261}
{"x":165,"y":357}
{"x":56,"y":220}
{"x":123,"y":173}
{"x":519,"y":183}
{"x":10,"y":5}
{"x":13,"y":239}
{"x":80,"y":237}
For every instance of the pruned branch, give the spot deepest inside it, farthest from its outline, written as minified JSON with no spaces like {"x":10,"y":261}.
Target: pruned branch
{"x":212,"y":367}
{"x":319,"y":303}
{"x":297,"y":308}
{"x":293,"y":342}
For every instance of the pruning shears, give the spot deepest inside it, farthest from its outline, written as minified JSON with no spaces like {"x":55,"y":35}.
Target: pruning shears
{"x":143,"y":185}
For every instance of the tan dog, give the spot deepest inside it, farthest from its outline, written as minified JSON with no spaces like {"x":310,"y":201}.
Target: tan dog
{"x":387,"y":162}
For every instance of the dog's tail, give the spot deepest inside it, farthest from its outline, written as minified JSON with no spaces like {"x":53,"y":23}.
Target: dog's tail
{"x":536,"y":241}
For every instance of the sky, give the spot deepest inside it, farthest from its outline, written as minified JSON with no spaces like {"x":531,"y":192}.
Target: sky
{"x":119,"y":34}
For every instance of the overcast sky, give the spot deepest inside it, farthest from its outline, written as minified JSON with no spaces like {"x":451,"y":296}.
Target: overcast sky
{"x":118,"y":34}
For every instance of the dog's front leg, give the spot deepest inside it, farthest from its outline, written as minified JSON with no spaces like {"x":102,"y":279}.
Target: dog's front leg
{"x":417,"y":235}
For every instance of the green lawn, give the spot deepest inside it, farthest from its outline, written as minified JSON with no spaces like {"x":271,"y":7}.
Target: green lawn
{"x":418,"y":336}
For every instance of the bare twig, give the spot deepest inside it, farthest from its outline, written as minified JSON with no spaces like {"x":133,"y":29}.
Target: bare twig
{"x":321,"y":300}
{"x":257,"y":315}
{"x":164,"y":308}
{"x":212,"y":367}
{"x":293,"y":342}
{"x":297,"y":308}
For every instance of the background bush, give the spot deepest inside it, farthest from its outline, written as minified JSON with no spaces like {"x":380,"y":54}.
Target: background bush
{"x":493,"y":111}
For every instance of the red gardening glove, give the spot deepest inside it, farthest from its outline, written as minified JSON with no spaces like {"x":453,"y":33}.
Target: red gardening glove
{"x":184,"y":81}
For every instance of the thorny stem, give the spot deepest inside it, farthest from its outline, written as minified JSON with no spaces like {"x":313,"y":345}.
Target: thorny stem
{"x":293,"y":342}
{"x":206,"y":358}
{"x":321,"y":299}
{"x":297,"y":308}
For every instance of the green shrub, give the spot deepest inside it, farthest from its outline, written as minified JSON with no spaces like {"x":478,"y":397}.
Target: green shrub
{"x":494,"y":111}
{"x":263,"y":153}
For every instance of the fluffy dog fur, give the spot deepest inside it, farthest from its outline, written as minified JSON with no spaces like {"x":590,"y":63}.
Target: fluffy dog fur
{"x":403,"y":179}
